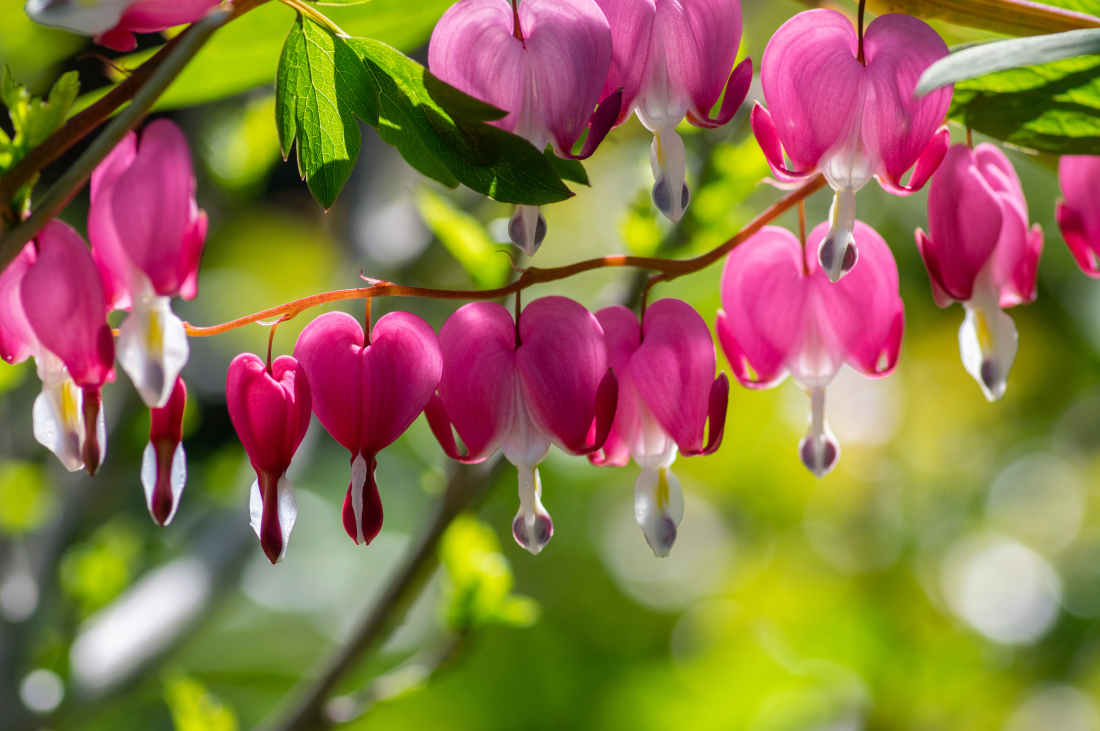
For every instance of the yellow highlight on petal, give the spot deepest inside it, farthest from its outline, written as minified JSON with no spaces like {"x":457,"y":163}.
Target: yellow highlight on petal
{"x":70,"y":406}
{"x":154,"y":333}
{"x":981,"y":329}
{"x":662,"y":488}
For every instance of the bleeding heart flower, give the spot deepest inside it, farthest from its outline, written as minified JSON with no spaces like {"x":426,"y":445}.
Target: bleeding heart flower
{"x":270,"y":410}
{"x":63,"y":305}
{"x":519,"y":389}
{"x":114,"y":22}
{"x":667,"y":391}
{"x":366,"y":395}
{"x":1078,"y":215}
{"x":164,"y":463}
{"x":981,"y":253}
{"x":780,"y":314}
{"x":851,"y":118}
{"x":674,"y":59}
{"x":147,"y":236}
{"x":544,"y":62}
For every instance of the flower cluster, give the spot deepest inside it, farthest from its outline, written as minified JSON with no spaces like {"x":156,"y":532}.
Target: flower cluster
{"x":146,"y":234}
{"x":606,"y":385}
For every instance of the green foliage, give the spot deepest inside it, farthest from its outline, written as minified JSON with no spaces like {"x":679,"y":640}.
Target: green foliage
{"x":466,"y":239}
{"x":1051,"y":108}
{"x":96,"y":571}
{"x":639,"y":227}
{"x":194,"y":708}
{"x":987,"y":58}
{"x":32,"y":120}
{"x":24,"y":499}
{"x":478,"y":590}
{"x":325,"y":84}
{"x":239,"y":145}
{"x":996,"y":15}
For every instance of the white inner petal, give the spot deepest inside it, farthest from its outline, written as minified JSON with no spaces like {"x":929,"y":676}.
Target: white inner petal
{"x":58,"y":413}
{"x":87,"y":17}
{"x":658,"y":507}
{"x":152,"y":348}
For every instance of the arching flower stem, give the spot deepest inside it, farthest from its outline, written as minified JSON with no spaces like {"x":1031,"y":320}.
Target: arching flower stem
{"x":667,"y":270}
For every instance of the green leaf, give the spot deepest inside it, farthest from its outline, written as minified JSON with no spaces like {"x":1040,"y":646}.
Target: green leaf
{"x":320,"y":89}
{"x":987,"y":58}
{"x":466,"y":239}
{"x":570,"y":170}
{"x":478,"y":586}
{"x":326,"y":83}
{"x":194,"y":708}
{"x":1012,"y":17}
{"x":1051,"y":108}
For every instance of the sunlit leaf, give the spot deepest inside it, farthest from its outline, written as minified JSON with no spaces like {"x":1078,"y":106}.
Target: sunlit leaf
{"x":25,"y":500}
{"x":194,"y":708}
{"x":1012,"y":17}
{"x":987,"y":58}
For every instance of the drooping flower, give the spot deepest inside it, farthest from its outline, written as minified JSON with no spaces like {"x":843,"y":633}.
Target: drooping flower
{"x":366,"y":394}
{"x":164,"y":463}
{"x":270,"y":410}
{"x":780,"y":314}
{"x":519,"y":389}
{"x":674,"y":59}
{"x":114,"y":22}
{"x":851,"y":118}
{"x":65,"y":318}
{"x":542,"y":61}
{"x":980,"y":252}
{"x":147,"y":235}
{"x":1078,"y":215}
{"x":667,"y":392}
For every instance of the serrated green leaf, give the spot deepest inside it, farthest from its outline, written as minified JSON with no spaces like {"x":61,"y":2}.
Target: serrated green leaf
{"x":466,"y":239}
{"x":986,"y":58}
{"x":1051,"y":108}
{"x":326,"y":83}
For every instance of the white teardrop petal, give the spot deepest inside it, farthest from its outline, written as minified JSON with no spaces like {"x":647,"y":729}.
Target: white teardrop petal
{"x":658,"y":507}
{"x":987,"y":346}
{"x":59,"y":422}
{"x":152,"y":349}
{"x":86,"y":17}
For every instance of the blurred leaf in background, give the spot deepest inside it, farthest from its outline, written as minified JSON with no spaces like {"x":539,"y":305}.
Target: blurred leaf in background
{"x":466,"y":239}
{"x":194,"y":708}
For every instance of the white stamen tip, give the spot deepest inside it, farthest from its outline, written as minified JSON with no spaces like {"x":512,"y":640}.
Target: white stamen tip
{"x":532,"y":527}
{"x":658,"y":508}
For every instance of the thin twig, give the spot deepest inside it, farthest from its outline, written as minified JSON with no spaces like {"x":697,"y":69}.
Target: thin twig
{"x":668,"y":269}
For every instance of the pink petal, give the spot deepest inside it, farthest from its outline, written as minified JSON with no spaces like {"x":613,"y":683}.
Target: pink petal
{"x":631,"y":24}
{"x":16,"y":336}
{"x":737,"y":90}
{"x":965,"y":217}
{"x":367,"y":396}
{"x":767,"y":136}
{"x":165,"y":435}
{"x":269,"y":411}
{"x":152,"y":204}
{"x":897,"y":126}
{"x":478,"y":344}
{"x":1079,"y":216}
{"x":549,"y":82}
{"x":927,"y":250}
{"x":928,"y":162}
{"x":563,"y":363}
{"x":700,"y":41}
{"x":813,"y":84}
{"x":370,"y":521}
{"x":673,"y":370}
{"x":191,"y":253}
{"x":763,"y":298}
{"x":863,"y":312}
{"x":149,"y":16}
{"x":623,"y":336}
{"x":62,"y":297}
{"x":110,"y":257}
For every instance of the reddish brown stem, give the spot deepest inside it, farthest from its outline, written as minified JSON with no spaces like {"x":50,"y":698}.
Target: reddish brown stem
{"x":862,"y":9}
{"x":667,"y":269}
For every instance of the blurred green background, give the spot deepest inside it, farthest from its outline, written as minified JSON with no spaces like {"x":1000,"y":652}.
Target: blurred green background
{"x":945,"y":576}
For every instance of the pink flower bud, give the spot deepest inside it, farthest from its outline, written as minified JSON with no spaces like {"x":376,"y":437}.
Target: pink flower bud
{"x":114,"y":22}
{"x":518,"y":390}
{"x":667,"y":392}
{"x":164,"y":463}
{"x":270,"y":410}
{"x":367,"y":394}
{"x":1078,"y":216}
{"x":781,"y":314}
{"x":980,"y":252}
